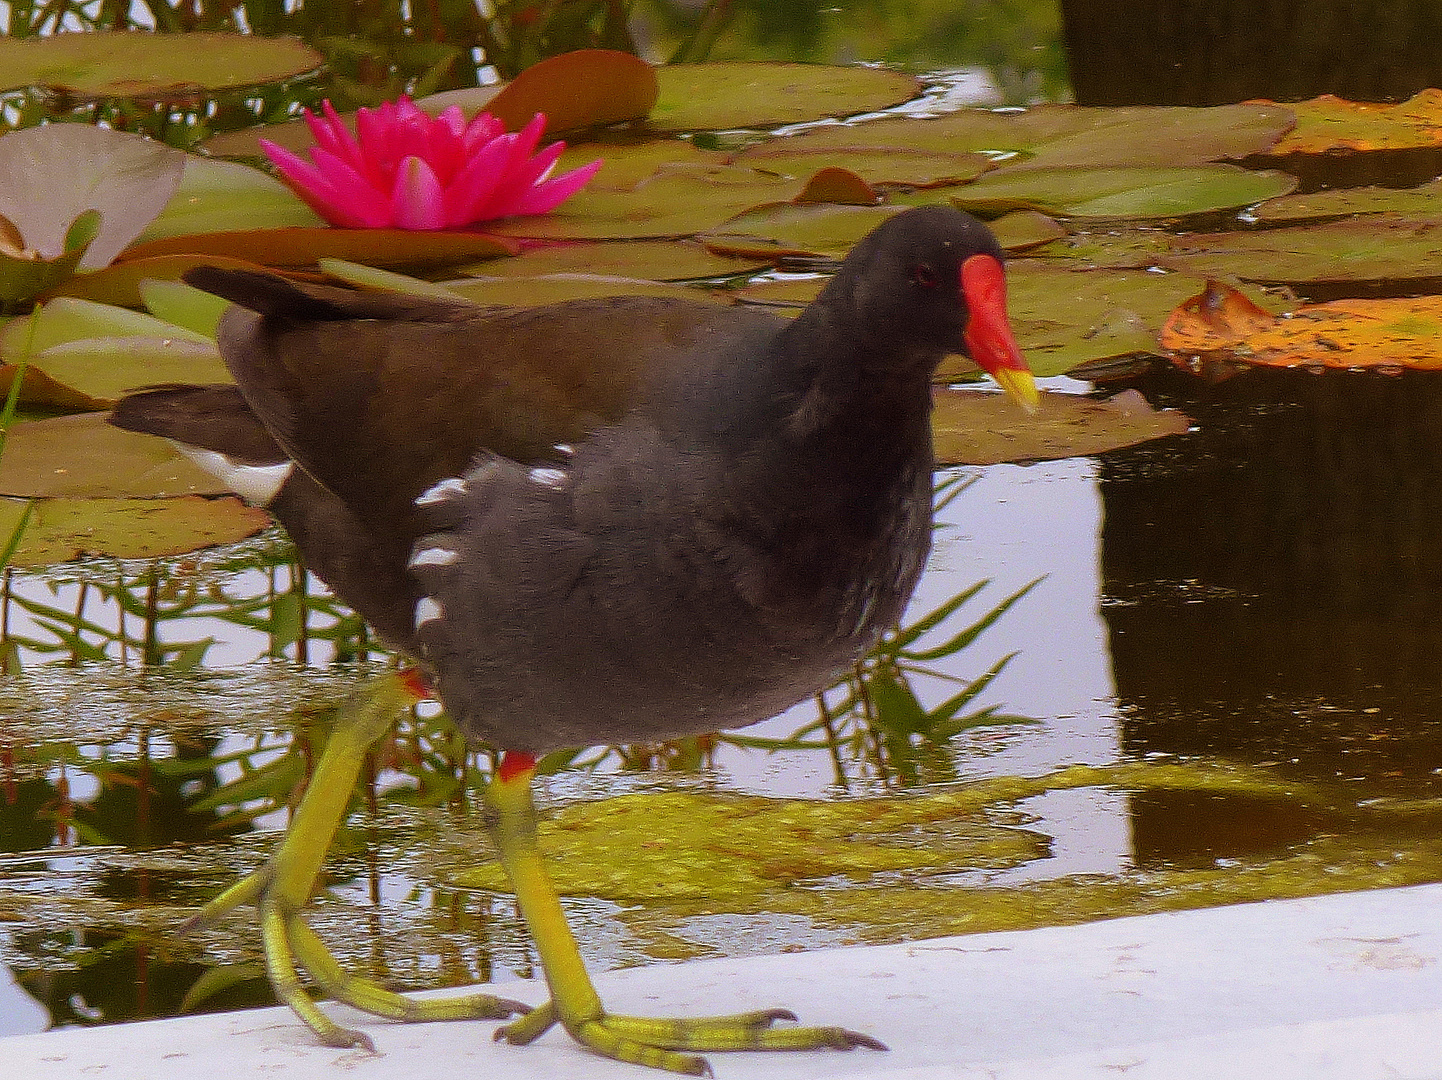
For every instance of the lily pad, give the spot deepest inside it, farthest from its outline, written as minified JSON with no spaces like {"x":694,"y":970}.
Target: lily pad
{"x":25,"y":274}
{"x":655,"y":260}
{"x":584,"y":88}
{"x":1329,"y":123}
{"x":398,"y":248}
{"x":1068,"y":135}
{"x":1344,"y":202}
{"x":119,"y":284}
{"x":222,"y":196}
{"x":83,"y":456}
{"x":1375,"y":248}
{"x":551,"y":288}
{"x":788,"y":229}
{"x":1391,"y":333}
{"x":886,"y":166}
{"x":702,"y":97}
{"x":64,"y":529}
{"x":1150,"y":192}
{"x":673,"y":203}
{"x":975,"y":428}
{"x":50,"y":175}
{"x":150,"y":66}
{"x":837,"y":185}
{"x":1021,"y":230}
{"x":629,"y":160}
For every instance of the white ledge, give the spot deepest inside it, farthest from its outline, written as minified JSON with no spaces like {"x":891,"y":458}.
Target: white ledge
{"x":1343,"y":987}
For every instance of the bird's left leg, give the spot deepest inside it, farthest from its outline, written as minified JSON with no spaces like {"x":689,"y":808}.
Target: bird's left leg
{"x":283,"y":887}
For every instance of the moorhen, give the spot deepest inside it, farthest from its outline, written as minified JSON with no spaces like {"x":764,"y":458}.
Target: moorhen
{"x":613,"y":520}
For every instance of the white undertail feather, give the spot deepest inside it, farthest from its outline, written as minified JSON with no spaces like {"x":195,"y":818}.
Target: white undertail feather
{"x":256,"y":484}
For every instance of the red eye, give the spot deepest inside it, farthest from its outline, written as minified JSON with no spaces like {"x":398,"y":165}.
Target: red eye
{"x":922,"y":274}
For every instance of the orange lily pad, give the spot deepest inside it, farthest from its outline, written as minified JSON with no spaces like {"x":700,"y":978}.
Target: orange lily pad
{"x":1330,"y":123}
{"x":1391,"y":333}
{"x":973,"y":427}
{"x":585,"y":88}
{"x":398,"y":248}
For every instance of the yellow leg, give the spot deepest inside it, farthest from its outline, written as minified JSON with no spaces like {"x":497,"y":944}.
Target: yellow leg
{"x":282,"y":889}
{"x":574,"y":1002}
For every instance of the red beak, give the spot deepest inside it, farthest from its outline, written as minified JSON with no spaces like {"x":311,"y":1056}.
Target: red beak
{"x":988,"y":335}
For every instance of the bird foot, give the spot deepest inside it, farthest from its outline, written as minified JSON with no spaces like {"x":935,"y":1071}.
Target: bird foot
{"x":281,"y":889}
{"x":662,"y":1042}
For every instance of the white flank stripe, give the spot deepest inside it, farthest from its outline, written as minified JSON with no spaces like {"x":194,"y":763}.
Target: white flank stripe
{"x":450,"y":488}
{"x":256,"y":484}
{"x":436,"y":556}
{"x":428,"y":609}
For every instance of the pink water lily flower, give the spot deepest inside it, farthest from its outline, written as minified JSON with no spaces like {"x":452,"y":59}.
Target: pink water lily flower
{"x":404,"y":169}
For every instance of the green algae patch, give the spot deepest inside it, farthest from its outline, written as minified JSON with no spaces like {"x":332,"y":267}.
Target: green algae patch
{"x":962,"y":859}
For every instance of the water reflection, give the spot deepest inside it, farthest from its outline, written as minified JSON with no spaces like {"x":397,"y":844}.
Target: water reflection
{"x":1270,"y":590}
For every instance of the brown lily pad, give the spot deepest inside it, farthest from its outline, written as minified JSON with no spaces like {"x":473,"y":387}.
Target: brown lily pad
{"x":585,"y":88}
{"x":119,"y":284}
{"x":979,"y":428}
{"x":64,"y":529}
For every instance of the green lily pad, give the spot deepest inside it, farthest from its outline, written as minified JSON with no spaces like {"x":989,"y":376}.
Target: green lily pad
{"x":886,"y":166}
{"x":1150,"y":192}
{"x":101,"y":351}
{"x":24,"y":275}
{"x":1126,"y":247}
{"x":183,"y":305}
{"x":655,"y":260}
{"x":1068,"y":135}
{"x":974,"y":428}
{"x":1063,"y":318}
{"x":702,"y":97}
{"x":51,"y":175}
{"x":222,"y":196}
{"x":1344,"y":202}
{"x":85,"y":457}
{"x":673,"y":203}
{"x":630,"y":160}
{"x":1375,"y":248}
{"x":118,"y":285}
{"x":789,"y":229}
{"x":368,"y":277}
{"x":550,"y":288}
{"x":302,"y":247}
{"x":150,"y":66}
{"x":1021,"y":230}
{"x":64,"y":529}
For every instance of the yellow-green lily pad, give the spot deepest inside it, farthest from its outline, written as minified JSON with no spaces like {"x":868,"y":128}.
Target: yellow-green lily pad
{"x":64,"y":529}
{"x":700,"y":97}
{"x":223,"y":196}
{"x":789,"y":229}
{"x":150,"y":66}
{"x":886,"y":166}
{"x":84,"y":457}
{"x":1143,"y":192}
{"x":976,"y":428}
{"x":551,"y":288}
{"x":654,"y":260}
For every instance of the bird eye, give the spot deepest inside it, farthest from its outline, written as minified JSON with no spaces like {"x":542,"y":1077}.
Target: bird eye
{"x":924,"y":275}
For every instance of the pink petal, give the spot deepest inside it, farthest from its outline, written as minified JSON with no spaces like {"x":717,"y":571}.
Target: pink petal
{"x":545,"y":197}
{"x":519,"y":179}
{"x":417,"y":199}
{"x":474,"y":185}
{"x":481,"y":130}
{"x":357,"y":201}
{"x":454,"y":119}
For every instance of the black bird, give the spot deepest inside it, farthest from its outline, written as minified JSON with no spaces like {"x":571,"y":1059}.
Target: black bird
{"x":595,"y":521}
